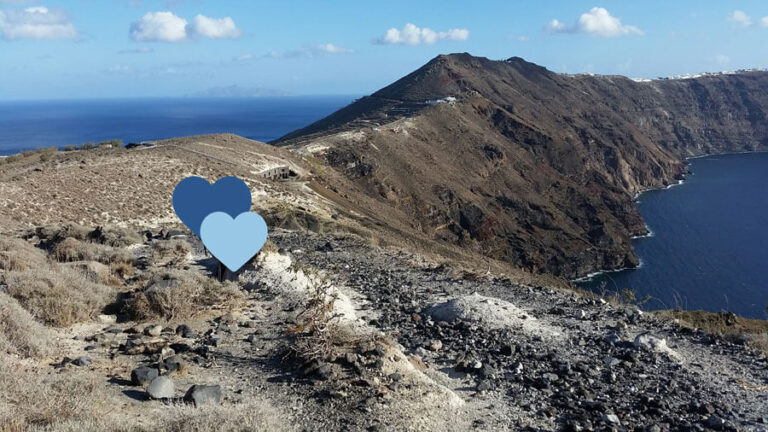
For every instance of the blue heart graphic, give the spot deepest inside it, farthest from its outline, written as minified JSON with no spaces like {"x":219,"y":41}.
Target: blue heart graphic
{"x":194,"y":199}
{"x":233,"y":241}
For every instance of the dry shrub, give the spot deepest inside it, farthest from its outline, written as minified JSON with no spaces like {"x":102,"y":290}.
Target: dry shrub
{"x":106,"y":235}
{"x":179,"y":294}
{"x":734,"y":328}
{"x":18,"y":255}
{"x":122,"y":269}
{"x":58,"y":296}
{"x":71,"y":249}
{"x":97,"y":272}
{"x":32,"y":401}
{"x":172,"y":253}
{"x":57,"y":233}
{"x":20,"y":333}
{"x":114,"y":236}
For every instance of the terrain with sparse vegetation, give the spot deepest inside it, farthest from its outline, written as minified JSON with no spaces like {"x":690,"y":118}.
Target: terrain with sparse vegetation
{"x":354,"y":316}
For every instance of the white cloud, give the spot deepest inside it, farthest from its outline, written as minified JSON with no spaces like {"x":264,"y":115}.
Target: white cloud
{"x":557,"y":26}
{"x":311,"y":51}
{"x":36,"y":22}
{"x":159,"y":27}
{"x":597,"y":22}
{"x":740,"y":19}
{"x":214,"y":28}
{"x":332,"y":49}
{"x":243,"y":57}
{"x":413,"y":35}
{"x":168,"y":27}
{"x":139,"y":50}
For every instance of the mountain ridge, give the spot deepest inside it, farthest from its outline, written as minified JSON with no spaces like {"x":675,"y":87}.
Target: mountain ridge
{"x":530,"y":166}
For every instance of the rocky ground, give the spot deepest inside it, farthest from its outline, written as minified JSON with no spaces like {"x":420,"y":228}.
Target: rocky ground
{"x":411,"y":344}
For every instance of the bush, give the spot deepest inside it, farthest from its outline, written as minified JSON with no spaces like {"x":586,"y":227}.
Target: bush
{"x":69,"y":148}
{"x":56,"y":233}
{"x":71,"y":249}
{"x":58,"y":296}
{"x":114,"y":236}
{"x":87,"y":146}
{"x":20,"y":333}
{"x":170,"y":252}
{"x":18,"y":255}
{"x":180,"y":294}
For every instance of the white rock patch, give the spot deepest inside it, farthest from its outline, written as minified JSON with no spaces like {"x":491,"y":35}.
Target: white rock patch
{"x":490,"y":313}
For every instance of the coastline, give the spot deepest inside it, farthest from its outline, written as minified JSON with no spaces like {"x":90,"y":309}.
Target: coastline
{"x":636,"y":199}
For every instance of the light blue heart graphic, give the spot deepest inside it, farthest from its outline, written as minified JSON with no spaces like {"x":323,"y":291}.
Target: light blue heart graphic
{"x":233,"y":241}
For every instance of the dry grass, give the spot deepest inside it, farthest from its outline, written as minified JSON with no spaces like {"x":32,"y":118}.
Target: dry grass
{"x":18,"y":255}
{"x":752,"y":331}
{"x":171,"y":253}
{"x":58,"y":296}
{"x":255,"y":415}
{"x":32,"y":401}
{"x":180,"y":294}
{"x":70,"y":249}
{"x":20,"y":333}
{"x":66,"y":402}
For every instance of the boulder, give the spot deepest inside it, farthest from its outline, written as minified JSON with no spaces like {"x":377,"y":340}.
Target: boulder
{"x":203,"y":394}
{"x":143,"y":375}
{"x":646,"y":341}
{"x":161,"y":388}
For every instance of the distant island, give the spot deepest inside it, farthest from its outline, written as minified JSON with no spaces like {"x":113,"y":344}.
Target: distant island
{"x":236,"y":91}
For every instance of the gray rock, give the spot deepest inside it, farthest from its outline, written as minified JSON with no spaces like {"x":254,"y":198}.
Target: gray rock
{"x":107,"y":319}
{"x":611,"y":418}
{"x":155,"y":330}
{"x":82,"y":361}
{"x":435,"y":345}
{"x":203,"y":394}
{"x":161,"y":388}
{"x":715,"y":422}
{"x":612,"y":338}
{"x":143,"y":375}
{"x":651,"y":343}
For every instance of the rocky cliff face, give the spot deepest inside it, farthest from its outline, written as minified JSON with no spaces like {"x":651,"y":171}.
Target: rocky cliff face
{"x":529,"y":166}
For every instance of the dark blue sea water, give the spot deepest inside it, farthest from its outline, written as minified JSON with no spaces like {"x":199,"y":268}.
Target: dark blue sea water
{"x":28,"y":125}
{"x":709,"y":244}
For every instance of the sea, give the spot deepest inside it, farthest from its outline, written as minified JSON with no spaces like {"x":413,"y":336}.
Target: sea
{"x":708,"y":247}
{"x":34,"y":124}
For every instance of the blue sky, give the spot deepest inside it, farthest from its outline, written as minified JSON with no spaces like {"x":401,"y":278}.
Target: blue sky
{"x":142,"y":48}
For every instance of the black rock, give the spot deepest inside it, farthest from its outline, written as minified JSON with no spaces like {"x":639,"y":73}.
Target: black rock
{"x":508,"y":350}
{"x":143,"y":375}
{"x":184,"y":331}
{"x":180,"y":347}
{"x":203,"y":394}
